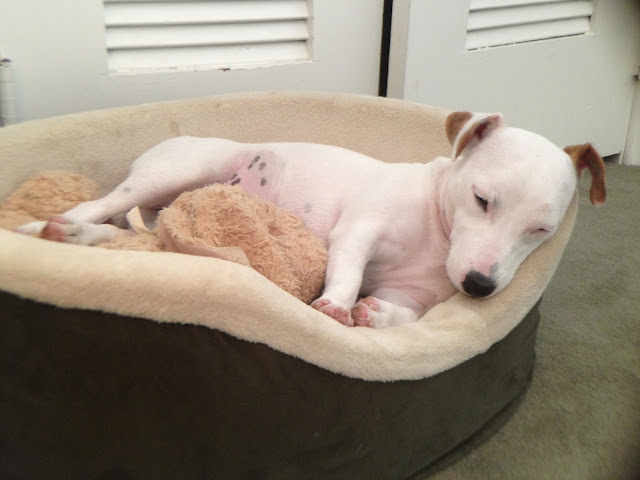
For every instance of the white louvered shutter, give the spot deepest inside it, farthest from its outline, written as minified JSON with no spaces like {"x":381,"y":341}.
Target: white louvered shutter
{"x":156,"y":35}
{"x":493,"y":23}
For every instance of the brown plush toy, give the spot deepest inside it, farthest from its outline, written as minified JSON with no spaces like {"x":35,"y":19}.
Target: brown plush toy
{"x":218,"y":221}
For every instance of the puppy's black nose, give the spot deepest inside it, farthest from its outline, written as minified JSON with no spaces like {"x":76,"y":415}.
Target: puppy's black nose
{"x":477,"y":285}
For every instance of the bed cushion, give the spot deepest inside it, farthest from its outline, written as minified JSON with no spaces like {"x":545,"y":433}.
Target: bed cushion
{"x":90,"y":394}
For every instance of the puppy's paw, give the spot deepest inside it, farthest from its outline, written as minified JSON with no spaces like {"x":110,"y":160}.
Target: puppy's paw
{"x":375,"y":313}
{"x":365,"y":311}
{"x":60,"y":229}
{"x":57,"y":229}
{"x":337,"y":313}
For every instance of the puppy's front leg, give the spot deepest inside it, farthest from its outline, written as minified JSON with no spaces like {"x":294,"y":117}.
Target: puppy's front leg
{"x":350,"y":249}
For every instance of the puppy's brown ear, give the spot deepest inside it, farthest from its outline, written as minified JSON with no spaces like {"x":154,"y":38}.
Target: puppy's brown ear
{"x":462,"y":127}
{"x":585,"y":156}
{"x":454,"y":124}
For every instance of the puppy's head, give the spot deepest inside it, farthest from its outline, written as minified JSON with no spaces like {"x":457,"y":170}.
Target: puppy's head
{"x":505,"y":193}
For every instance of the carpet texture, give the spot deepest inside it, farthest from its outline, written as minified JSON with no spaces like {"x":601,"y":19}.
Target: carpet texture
{"x":580,"y":418}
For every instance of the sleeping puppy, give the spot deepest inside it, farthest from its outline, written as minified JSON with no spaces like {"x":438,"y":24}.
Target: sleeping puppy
{"x":401,"y":237}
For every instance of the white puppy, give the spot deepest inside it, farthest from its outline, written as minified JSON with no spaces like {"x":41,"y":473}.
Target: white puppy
{"x":404,"y":236}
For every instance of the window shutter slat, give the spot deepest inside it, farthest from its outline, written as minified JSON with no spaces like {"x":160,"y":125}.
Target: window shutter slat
{"x":168,"y":58}
{"x":198,"y":12}
{"x":502,"y":22}
{"x":482,"y":4}
{"x":199,"y":35}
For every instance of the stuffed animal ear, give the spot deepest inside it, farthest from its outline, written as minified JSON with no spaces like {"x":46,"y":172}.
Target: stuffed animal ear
{"x":463,"y":127}
{"x":585,"y":156}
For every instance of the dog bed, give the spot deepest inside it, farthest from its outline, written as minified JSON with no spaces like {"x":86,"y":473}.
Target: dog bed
{"x":127,"y":364}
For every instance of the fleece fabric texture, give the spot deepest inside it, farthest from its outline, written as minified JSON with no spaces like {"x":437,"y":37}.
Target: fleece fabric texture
{"x":175,"y":288}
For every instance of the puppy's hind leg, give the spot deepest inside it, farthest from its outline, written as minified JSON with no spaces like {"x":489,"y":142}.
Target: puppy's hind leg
{"x":81,"y":224}
{"x":157,"y":177}
{"x":84,"y":224}
{"x":162,"y":173}
{"x":93,"y":212}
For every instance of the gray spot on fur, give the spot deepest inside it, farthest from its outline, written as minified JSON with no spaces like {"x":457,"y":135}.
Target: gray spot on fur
{"x":307,"y":208}
{"x":263,"y":182}
{"x":262,"y":165}
{"x":236,"y":181}
{"x":126,"y":189}
{"x":255,"y":160}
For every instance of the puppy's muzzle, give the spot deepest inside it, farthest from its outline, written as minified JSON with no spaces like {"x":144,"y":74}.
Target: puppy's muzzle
{"x":477,"y":285}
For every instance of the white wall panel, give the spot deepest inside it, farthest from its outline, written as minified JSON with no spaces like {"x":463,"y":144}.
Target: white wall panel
{"x":60,"y":62}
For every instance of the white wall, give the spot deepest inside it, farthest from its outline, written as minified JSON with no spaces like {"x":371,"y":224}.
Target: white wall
{"x":58,"y":55}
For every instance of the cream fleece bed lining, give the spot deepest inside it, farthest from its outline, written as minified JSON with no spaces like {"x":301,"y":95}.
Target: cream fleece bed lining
{"x":169,"y":287}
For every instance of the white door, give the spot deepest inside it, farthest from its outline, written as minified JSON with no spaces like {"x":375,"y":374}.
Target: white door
{"x":564,"y":69}
{"x":74,"y":55}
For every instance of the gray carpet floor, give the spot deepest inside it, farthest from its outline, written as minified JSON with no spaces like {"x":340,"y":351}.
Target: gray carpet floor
{"x":580,"y":418}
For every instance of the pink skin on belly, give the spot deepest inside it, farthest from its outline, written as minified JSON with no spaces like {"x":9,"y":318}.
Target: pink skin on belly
{"x":262,"y":173}
{"x":255,"y":173}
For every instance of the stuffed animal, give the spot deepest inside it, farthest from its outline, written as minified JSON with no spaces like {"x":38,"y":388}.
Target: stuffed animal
{"x":217,"y":220}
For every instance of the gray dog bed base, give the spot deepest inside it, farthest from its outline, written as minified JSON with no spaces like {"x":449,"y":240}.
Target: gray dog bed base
{"x":97,"y":395}
{"x":121,"y":364}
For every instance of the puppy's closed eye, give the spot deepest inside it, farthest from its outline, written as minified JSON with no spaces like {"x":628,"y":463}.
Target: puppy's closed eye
{"x":482,"y":203}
